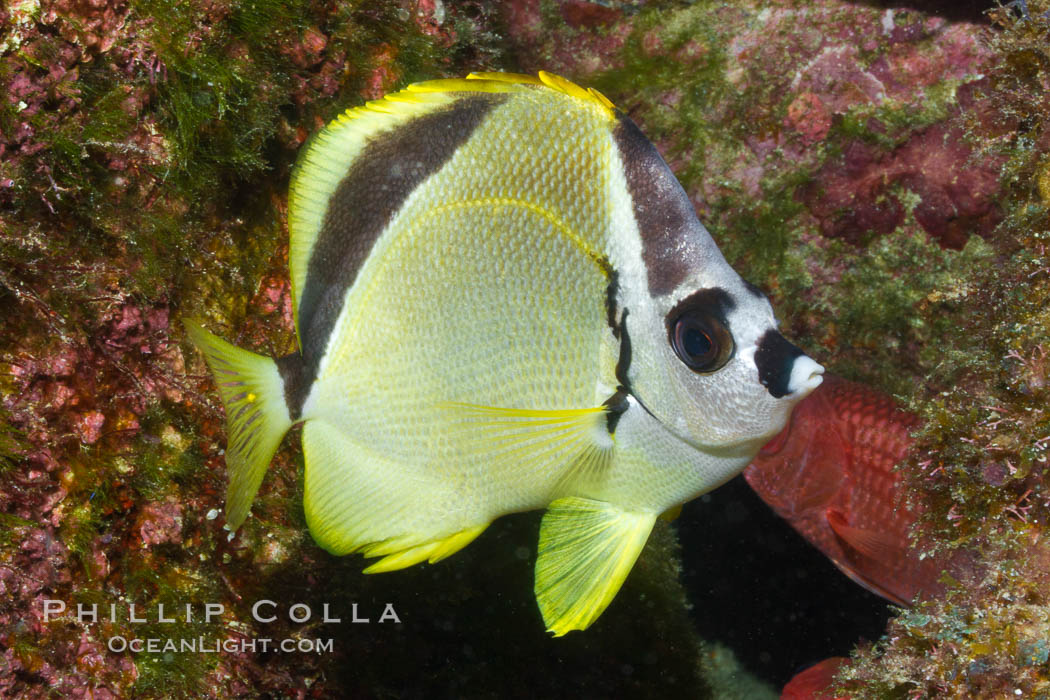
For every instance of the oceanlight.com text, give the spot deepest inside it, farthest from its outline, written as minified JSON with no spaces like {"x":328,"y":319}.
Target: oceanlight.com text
{"x":230,"y":645}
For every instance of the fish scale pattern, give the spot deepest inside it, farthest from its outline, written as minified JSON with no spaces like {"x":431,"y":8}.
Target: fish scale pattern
{"x":486,"y":289}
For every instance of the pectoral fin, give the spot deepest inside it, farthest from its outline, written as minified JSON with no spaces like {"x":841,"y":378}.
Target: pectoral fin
{"x":877,"y":545}
{"x":586,"y":550}
{"x":535,"y":443}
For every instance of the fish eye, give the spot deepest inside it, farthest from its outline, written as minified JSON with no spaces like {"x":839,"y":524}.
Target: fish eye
{"x":701,"y":341}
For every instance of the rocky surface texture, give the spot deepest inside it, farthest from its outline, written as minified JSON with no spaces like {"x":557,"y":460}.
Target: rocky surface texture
{"x":884,"y":173}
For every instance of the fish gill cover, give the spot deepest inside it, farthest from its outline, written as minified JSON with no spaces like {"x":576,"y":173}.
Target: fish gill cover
{"x":882,"y":173}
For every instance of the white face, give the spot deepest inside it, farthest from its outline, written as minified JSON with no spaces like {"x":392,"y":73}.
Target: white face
{"x":705,"y":357}
{"x":712,"y":367}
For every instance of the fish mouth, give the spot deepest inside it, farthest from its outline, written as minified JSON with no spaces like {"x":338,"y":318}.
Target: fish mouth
{"x":783,"y":368}
{"x":806,"y":375}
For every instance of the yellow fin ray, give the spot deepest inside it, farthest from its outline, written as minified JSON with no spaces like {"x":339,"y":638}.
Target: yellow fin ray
{"x":556,"y":82}
{"x":464,"y":85}
{"x":507,"y":82}
{"x":252,"y":393}
{"x":587,"y":468}
{"x":433,"y":551}
{"x":519,"y":78}
{"x":556,"y":414}
{"x":586,"y":550}
{"x":534,"y":439}
{"x":403,"y":559}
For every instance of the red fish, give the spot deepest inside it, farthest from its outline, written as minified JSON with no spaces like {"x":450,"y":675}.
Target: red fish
{"x":812,"y":684}
{"x":830,"y":474}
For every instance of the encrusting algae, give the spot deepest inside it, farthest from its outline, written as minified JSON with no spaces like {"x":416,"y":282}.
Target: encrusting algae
{"x":127,"y":201}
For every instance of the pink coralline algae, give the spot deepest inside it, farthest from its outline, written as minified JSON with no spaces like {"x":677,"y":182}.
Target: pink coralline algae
{"x":88,"y":426}
{"x":931,"y":171}
{"x":160,"y":523}
{"x":95,"y":24}
{"x":838,"y":77}
{"x":309,"y":51}
{"x":383,"y":75}
{"x":592,"y":39}
{"x":431,"y":18}
{"x":809,"y":116}
{"x":858,"y":194}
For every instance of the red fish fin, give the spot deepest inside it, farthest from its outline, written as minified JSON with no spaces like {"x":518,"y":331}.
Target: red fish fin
{"x":871,"y":557}
{"x":870,"y":543}
{"x":828,"y":463}
{"x":813,"y":683}
{"x":821,"y":486}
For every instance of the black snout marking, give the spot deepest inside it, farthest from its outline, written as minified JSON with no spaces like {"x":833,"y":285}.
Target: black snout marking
{"x":775,"y":359}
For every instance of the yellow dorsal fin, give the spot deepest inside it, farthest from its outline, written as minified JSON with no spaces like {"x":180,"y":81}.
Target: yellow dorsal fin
{"x":509,"y":82}
{"x":507,"y":78}
{"x":586,"y":550}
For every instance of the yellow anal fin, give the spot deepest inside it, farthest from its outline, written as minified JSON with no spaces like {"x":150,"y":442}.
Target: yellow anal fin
{"x":433,"y":551}
{"x":671,"y":514}
{"x":586,"y":550}
{"x":257,"y":416}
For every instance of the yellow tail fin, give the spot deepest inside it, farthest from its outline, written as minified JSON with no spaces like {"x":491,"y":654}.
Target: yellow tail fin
{"x":257,"y":417}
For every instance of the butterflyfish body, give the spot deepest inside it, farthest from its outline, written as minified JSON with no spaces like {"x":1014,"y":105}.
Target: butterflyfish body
{"x":504,"y":301}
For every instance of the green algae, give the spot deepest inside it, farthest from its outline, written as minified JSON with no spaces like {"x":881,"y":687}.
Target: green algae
{"x":980,"y":463}
{"x":674,"y":102}
{"x":901,"y":311}
{"x":165,"y":467}
{"x":897,"y":300}
{"x":761,"y":237}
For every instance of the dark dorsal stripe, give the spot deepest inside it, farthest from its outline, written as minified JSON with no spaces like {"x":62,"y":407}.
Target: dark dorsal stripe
{"x":775,"y":359}
{"x":378,"y":182}
{"x":671,"y":234}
